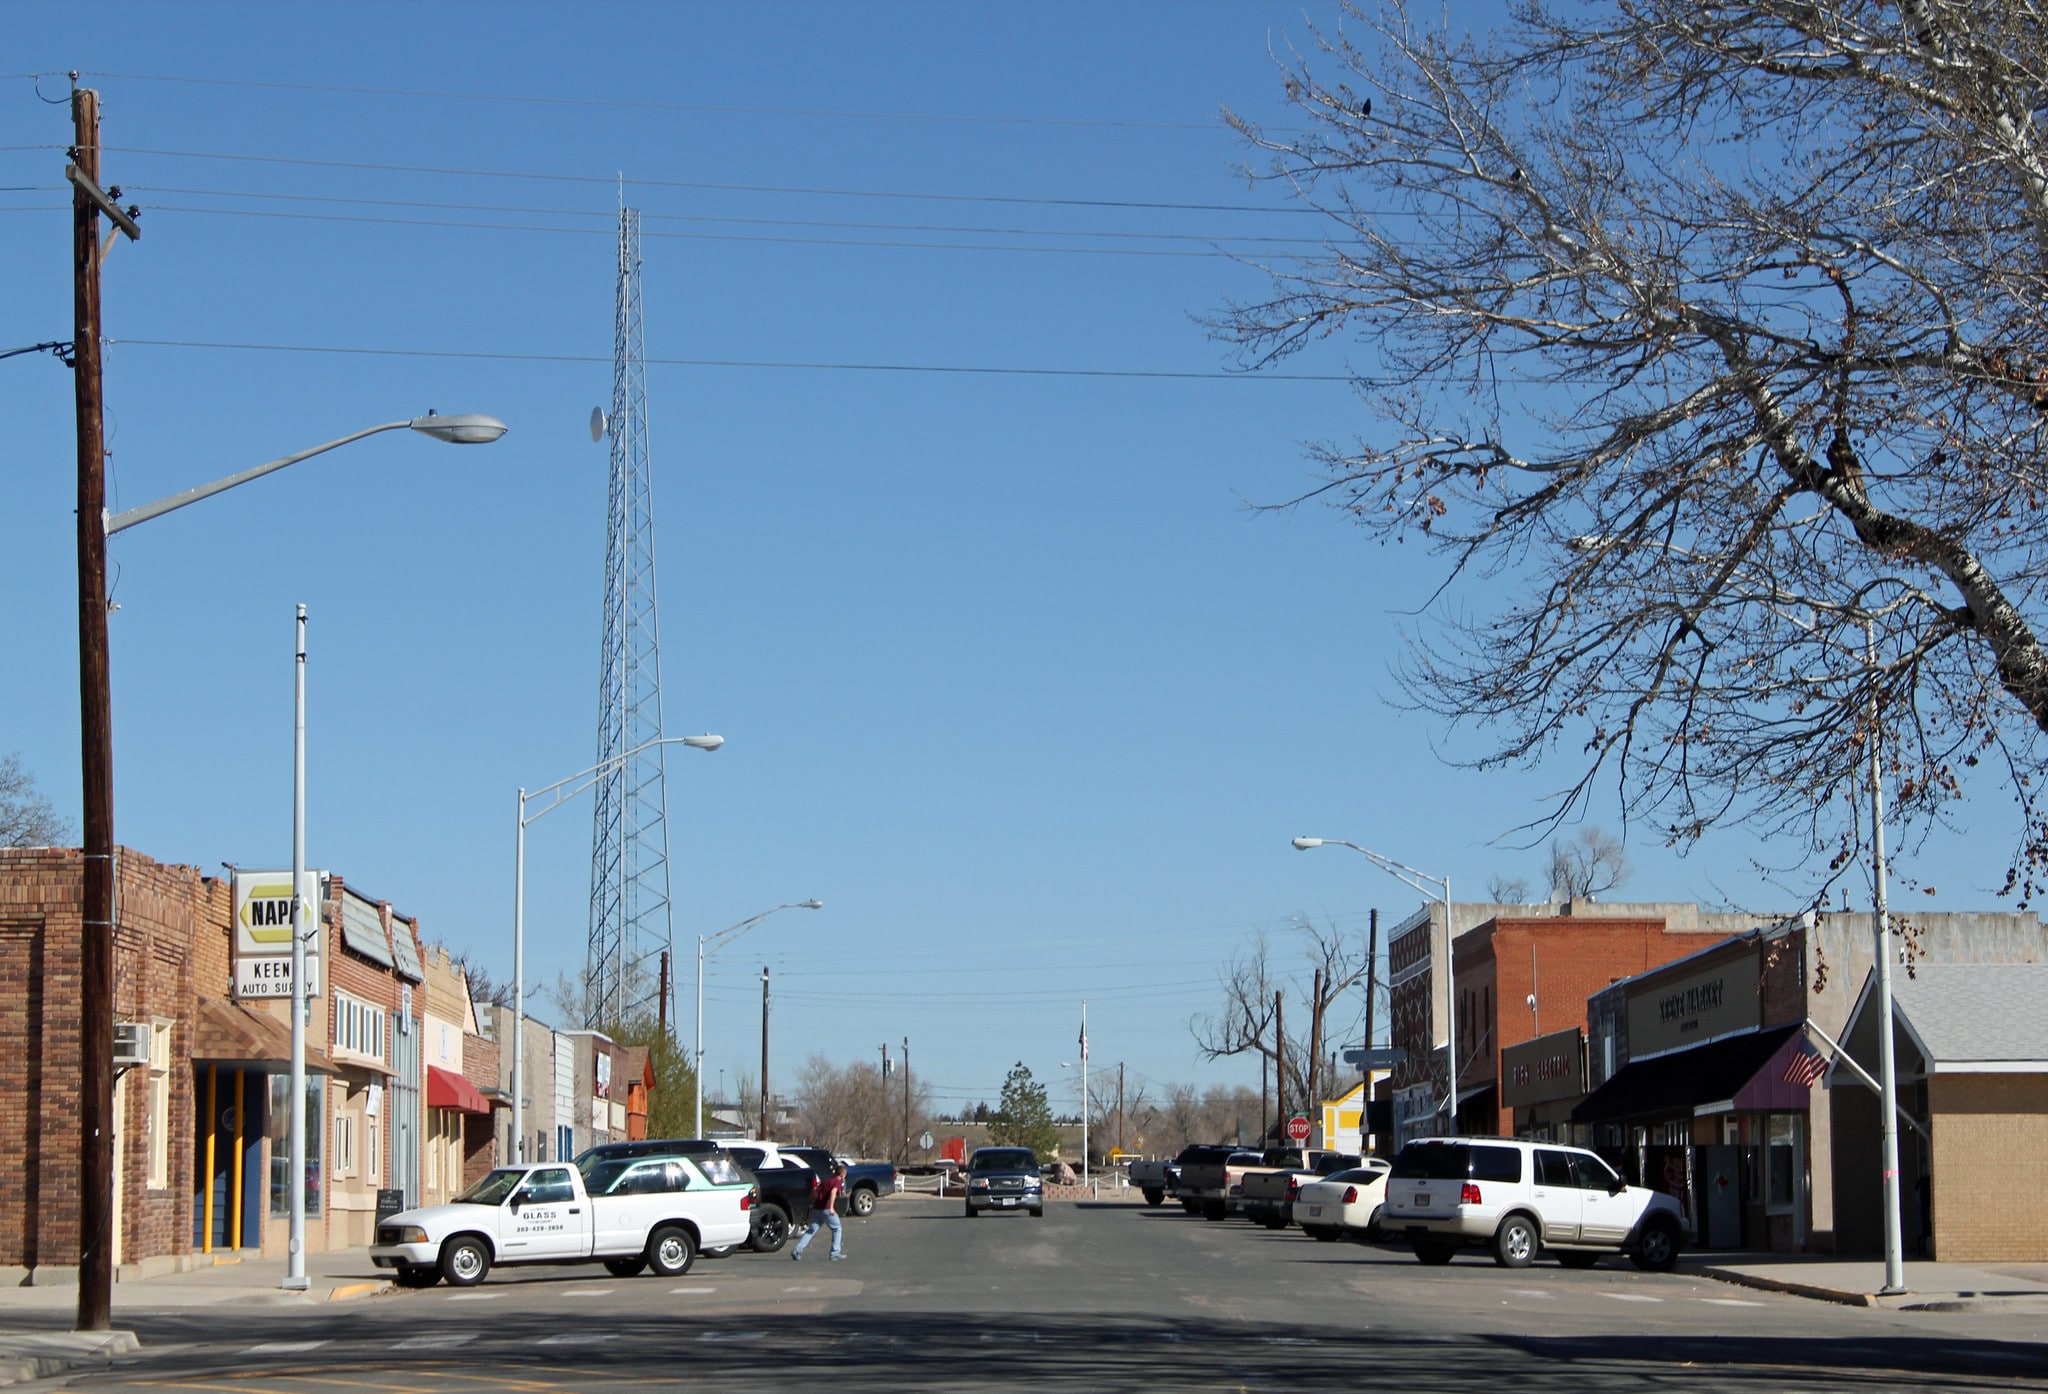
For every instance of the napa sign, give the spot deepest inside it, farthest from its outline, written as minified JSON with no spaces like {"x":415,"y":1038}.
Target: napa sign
{"x":263,"y":932}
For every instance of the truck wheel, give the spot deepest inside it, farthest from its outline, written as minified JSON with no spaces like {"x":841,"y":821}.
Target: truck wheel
{"x":971,"y":1211}
{"x":1325,"y":1234}
{"x":626,"y":1267}
{"x":862,"y":1201}
{"x":1037,"y":1212}
{"x":1276,"y":1222}
{"x":771,"y":1230}
{"x":1215,"y":1210}
{"x":464,"y":1261}
{"x":410,"y":1277}
{"x":1515,"y":1243}
{"x":1193,"y":1207}
{"x":1434,"y":1255}
{"x":1154,"y":1196}
{"x":670,"y":1251}
{"x":1656,"y":1249}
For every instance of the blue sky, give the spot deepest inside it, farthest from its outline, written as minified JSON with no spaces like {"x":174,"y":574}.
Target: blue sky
{"x":1011,"y":675}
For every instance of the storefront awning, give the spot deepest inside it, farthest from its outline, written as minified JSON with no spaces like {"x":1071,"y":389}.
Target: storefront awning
{"x":447,"y":1089}
{"x":229,"y":1033}
{"x":1674,"y":1085}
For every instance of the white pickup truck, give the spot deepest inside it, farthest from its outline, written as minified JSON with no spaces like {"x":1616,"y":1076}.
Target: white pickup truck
{"x":631,"y":1214}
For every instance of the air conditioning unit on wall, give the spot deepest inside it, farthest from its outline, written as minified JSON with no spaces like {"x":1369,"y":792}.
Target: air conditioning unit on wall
{"x":131,"y":1043}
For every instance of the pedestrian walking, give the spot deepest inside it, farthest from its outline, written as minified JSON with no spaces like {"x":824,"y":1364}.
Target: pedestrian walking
{"x":825,"y":1194}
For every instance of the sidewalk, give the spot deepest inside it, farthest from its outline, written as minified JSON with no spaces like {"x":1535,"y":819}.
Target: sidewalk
{"x":1930,"y":1287}
{"x":34,"y":1345}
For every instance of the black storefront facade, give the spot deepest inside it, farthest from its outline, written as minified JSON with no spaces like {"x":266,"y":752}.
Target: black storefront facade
{"x":1699,"y":1086}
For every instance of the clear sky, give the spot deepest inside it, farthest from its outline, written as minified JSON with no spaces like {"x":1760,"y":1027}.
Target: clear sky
{"x":1011,"y":674}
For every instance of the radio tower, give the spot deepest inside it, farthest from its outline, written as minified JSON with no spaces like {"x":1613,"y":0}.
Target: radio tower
{"x":629,"y":889}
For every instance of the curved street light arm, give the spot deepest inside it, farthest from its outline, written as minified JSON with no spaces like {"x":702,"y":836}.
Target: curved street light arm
{"x":562,"y":795}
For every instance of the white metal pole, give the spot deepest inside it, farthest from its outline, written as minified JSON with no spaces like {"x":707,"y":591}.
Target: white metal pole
{"x":519,"y":990}
{"x":698,"y":1060}
{"x":295,"y":1259}
{"x":1084,"y":1093}
{"x":1894,"y":1257}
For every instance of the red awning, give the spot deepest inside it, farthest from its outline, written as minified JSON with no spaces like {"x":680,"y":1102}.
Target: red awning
{"x":447,"y":1089}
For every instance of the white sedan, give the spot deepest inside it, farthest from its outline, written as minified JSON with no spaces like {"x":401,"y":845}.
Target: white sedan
{"x":1346,"y":1205}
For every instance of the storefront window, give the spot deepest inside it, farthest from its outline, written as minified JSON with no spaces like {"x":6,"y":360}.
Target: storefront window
{"x":278,"y":1134}
{"x":1783,"y":1164}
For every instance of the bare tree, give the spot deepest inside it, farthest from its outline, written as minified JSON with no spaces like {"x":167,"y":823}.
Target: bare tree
{"x":1710,"y":336}
{"x":1586,"y":866}
{"x":1507,"y":890}
{"x":27,"y":817}
{"x":1247,"y":1024}
{"x":1184,"y":1122}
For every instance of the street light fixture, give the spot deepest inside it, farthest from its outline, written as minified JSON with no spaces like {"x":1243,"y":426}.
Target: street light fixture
{"x":559,"y":794}
{"x":707,"y":946}
{"x":1427,"y":884}
{"x":96,"y":757}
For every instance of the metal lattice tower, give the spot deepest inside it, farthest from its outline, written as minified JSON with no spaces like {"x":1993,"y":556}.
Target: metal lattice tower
{"x":629,"y":888}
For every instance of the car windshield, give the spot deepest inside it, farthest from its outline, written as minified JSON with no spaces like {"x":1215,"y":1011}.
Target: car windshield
{"x":494,"y":1187}
{"x":1004,"y":1159}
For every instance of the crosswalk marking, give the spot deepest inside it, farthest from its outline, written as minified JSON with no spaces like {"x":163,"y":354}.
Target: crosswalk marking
{"x":1730,"y":1302}
{"x":1630,"y":1297}
{"x":474,"y":1296}
{"x":578,"y":1338}
{"x":283,"y":1347}
{"x":443,"y":1342}
{"x":690,"y":1292}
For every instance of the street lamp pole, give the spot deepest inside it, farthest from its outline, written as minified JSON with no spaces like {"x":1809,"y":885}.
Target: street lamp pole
{"x":706,"y":946}
{"x":96,"y":1007}
{"x":1427,"y":884}
{"x":558,"y":794}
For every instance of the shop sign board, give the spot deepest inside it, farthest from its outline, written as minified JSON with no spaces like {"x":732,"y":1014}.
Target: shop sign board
{"x":1544,"y":1070}
{"x":263,"y":932}
{"x":1703,"y":1005}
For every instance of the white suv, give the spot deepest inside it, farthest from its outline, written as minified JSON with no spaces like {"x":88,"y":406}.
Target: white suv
{"x":1517,"y":1199}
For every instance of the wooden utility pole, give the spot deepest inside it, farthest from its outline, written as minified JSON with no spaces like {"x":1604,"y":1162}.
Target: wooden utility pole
{"x":1315,"y":1043}
{"x":96,"y":746}
{"x":1279,"y":1065}
{"x":764,"y":1052}
{"x":906,"y":1100}
{"x":1372,"y":978}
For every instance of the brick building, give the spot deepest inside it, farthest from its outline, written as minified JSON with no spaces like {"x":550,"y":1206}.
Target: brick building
{"x":201,"y":1113}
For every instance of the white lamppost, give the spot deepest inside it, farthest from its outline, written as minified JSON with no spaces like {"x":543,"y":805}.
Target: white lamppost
{"x":464,"y":429}
{"x":1086,"y":1075}
{"x":1428,"y":885}
{"x":707,"y":946}
{"x":559,"y":793}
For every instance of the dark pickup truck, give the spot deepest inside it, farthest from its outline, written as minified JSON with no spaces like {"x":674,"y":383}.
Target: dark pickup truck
{"x":866,"y":1182}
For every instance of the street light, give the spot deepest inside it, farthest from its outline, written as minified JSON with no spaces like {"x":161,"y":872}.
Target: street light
{"x":560,"y":795}
{"x":707,"y":947}
{"x":96,"y":757}
{"x":1424,"y":882}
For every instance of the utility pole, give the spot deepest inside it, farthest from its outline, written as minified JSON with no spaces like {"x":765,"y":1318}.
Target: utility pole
{"x":906,"y":1100}
{"x":664,"y":992}
{"x":1279,"y":1065}
{"x":1315,"y":1045}
{"x":1119,"y":1107}
{"x":95,"y":725}
{"x":764,"y":1052}
{"x":885,"y":1060}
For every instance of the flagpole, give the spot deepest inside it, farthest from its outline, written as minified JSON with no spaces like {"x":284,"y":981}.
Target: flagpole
{"x":1084,"y":1093}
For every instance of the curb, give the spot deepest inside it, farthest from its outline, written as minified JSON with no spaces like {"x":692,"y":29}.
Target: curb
{"x":65,"y":1353}
{"x":376,"y":1288}
{"x":1840,"y":1296}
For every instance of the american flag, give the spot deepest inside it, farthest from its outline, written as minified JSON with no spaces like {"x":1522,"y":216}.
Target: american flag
{"x":1084,"y":1038}
{"x":1805,"y":1066}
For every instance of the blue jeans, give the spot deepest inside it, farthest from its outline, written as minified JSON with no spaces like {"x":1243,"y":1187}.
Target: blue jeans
{"x":822,"y":1217}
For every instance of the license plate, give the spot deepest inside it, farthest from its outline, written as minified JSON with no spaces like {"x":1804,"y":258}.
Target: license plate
{"x":1421,"y":1199}
{"x":1315,"y":1210}
{"x":1007,"y":1200}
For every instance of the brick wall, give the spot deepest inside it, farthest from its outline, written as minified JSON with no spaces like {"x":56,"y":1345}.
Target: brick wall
{"x":1986,"y":1214}
{"x":171,"y":944}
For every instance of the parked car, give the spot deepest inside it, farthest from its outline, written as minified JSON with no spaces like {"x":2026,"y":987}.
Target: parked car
{"x":1207,"y":1175}
{"x":1265,"y":1195}
{"x":1342,"y":1206}
{"x":1519,"y":1199}
{"x":866,"y":1182}
{"x":785,"y":1182}
{"x":1154,"y":1179}
{"x":633,"y":1213}
{"x":1004,"y":1178}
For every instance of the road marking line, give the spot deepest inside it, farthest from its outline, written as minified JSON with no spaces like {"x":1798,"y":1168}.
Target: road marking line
{"x":733,"y":1336}
{"x":1730,"y":1302}
{"x":459,"y":1338}
{"x":474,"y":1296}
{"x":283,"y":1347}
{"x":578,"y":1338}
{"x":690,"y":1292}
{"x":586,"y":1292}
{"x":1628,"y":1297}
{"x":1537,"y":1293}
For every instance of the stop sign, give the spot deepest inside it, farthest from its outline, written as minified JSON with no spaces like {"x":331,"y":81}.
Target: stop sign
{"x":1297,"y":1128}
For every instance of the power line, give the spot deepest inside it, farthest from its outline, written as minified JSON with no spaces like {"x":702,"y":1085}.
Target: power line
{"x":959,"y":369}
{"x":614,"y":181}
{"x":626,"y":104}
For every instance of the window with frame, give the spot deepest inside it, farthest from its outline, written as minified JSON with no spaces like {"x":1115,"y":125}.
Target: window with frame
{"x":344,"y":1145}
{"x":160,"y":1105}
{"x":358,"y":1027}
{"x":1781,"y":1166}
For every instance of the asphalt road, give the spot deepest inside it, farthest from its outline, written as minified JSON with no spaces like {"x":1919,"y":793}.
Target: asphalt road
{"x":1089,"y":1298}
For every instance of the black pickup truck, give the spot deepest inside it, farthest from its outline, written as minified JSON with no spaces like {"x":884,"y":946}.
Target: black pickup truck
{"x":866,"y":1182}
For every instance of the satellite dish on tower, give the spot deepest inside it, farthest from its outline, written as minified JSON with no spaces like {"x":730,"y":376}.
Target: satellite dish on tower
{"x":597,"y":423}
